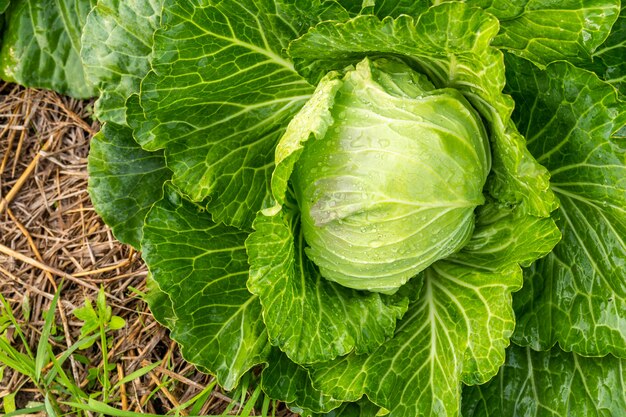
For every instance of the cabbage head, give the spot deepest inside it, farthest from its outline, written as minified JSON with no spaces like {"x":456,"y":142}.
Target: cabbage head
{"x":392,"y":185}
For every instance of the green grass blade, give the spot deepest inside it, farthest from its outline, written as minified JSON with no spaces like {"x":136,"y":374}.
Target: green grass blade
{"x":8,"y":402}
{"x":9,"y":314}
{"x":249,"y":404}
{"x":61,"y":360}
{"x":42,"y":347}
{"x":70,"y":384}
{"x":137,"y":374}
{"x":26,"y":411}
{"x":105,"y":409}
{"x":243,"y":390}
{"x":16,"y":360}
{"x":50,"y":410}
{"x":265,"y":408}
{"x":198,"y":400}
{"x":229,"y":408}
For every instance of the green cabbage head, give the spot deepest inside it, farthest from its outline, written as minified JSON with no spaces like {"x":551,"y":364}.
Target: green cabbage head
{"x":392,"y":185}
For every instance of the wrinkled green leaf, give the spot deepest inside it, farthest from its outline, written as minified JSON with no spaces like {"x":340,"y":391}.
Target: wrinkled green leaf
{"x":203,"y":268}
{"x":219,"y":123}
{"x":545,"y":31}
{"x":312,"y":121}
{"x":576,"y":296}
{"x":4,"y":5}
{"x":395,"y":8}
{"x":159,"y":303}
{"x":116,"y":51}
{"x":361,"y":408}
{"x":551,"y":383}
{"x":453,"y":50}
{"x":609,"y":62}
{"x":502,"y":9}
{"x":124,"y":181}
{"x":310,"y":318}
{"x":505,"y":235}
{"x":290,"y":382}
{"x":419,"y":371}
{"x":456,"y":331}
{"x":284,"y":380}
{"x":41,"y":45}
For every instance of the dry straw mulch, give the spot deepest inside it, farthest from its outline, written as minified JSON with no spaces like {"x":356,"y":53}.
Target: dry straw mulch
{"x":49,"y":231}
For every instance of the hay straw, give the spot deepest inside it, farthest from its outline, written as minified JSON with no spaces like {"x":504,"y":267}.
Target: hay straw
{"x":49,"y":231}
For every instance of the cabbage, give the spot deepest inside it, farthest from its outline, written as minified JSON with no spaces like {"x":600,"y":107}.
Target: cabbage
{"x":361,"y":205}
{"x":392,"y":185}
{"x":348,"y":197}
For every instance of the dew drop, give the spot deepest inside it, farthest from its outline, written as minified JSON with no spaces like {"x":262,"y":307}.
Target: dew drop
{"x":358,"y":143}
{"x":375,"y":243}
{"x":383,"y":142}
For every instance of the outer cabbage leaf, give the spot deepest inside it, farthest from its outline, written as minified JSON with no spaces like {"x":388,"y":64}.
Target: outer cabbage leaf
{"x":609,"y":62}
{"x":221,"y":93}
{"x":395,"y":8}
{"x":576,"y":296}
{"x":312,"y":120}
{"x":355,"y":7}
{"x":456,"y":331}
{"x":203,"y":268}
{"x":502,"y":9}
{"x":454,"y":51}
{"x":551,"y":383}
{"x":116,"y":51}
{"x":308,"y":317}
{"x":281,"y":379}
{"x":418,"y":372}
{"x":41,"y":45}
{"x":4,"y":5}
{"x":159,"y":303}
{"x":136,"y":119}
{"x":361,"y":408}
{"x":290,"y":382}
{"x":124,"y":181}
{"x":545,"y":31}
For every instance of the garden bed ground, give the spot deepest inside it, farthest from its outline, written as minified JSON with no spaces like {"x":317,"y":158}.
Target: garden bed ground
{"x":49,"y":233}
